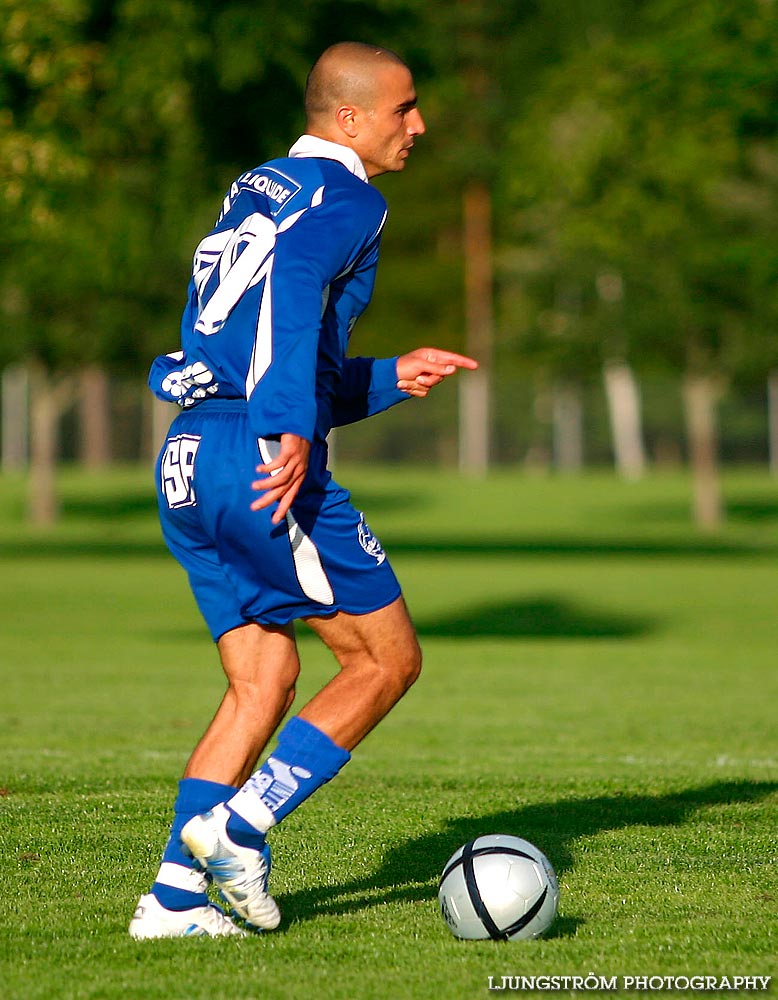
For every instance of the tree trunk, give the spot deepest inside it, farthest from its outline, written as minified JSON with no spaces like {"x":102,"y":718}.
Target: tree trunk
{"x":94,"y":418}
{"x":15,"y":418}
{"x":49,"y":397}
{"x":772,"y":421}
{"x":475,"y":387}
{"x":624,"y":409}
{"x":158,"y":417}
{"x":567,"y":424}
{"x":700,"y":395}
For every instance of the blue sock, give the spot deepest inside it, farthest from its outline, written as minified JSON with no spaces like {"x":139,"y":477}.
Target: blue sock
{"x":304,"y":760}
{"x":180,"y":884}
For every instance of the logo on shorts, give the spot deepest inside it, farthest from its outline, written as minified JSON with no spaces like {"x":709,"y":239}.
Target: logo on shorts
{"x":369,"y":542}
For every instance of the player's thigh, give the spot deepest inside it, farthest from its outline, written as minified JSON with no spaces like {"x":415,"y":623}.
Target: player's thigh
{"x":255,"y":655}
{"x":384,"y":638}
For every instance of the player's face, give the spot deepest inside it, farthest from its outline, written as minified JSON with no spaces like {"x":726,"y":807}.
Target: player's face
{"x":390,"y":127}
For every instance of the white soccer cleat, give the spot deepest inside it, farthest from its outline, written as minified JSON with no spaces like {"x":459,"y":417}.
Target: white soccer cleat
{"x":152,"y":920}
{"x":240,"y":873}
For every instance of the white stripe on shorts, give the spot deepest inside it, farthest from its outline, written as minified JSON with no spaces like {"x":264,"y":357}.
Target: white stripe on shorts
{"x":307,"y":564}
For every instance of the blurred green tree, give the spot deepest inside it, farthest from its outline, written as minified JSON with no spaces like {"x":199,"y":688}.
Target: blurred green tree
{"x":646,"y":167}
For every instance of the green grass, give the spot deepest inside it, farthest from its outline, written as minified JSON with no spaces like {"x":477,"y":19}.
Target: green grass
{"x":599,"y":678}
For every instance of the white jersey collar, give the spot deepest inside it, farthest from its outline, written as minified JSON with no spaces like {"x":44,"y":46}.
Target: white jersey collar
{"x":311,"y":145}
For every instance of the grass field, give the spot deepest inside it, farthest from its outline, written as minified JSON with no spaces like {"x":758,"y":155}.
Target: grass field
{"x":599,"y":678}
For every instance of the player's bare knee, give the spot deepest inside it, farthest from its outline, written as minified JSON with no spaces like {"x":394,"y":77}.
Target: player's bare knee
{"x":414,"y":664}
{"x":407,"y":666}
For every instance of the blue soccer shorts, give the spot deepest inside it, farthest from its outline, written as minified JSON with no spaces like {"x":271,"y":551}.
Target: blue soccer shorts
{"x":243,"y":568}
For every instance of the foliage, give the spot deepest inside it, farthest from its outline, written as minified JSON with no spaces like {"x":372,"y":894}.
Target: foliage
{"x":645,"y":193}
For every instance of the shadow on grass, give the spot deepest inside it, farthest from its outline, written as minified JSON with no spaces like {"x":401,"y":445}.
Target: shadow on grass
{"x":410,"y":871}
{"x":547,"y":617}
{"x":743,"y":509}
{"x":572,"y":546}
{"x":29,"y":544}
{"x":110,"y":508}
{"x":56,"y":547}
{"x":542,"y":617}
{"x":753,"y":509}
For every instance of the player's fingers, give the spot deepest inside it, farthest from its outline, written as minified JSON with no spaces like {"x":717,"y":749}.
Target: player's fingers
{"x":436,"y":368}
{"x":413,"y":388}
{"x":285,"y":501}
{"x":428,"y":361}
{"x":271,"y":493}
{"x":282,"y":463}
{"x":261,"y":502}
{"x":284,"y":506}
{"x":451,"y":358}
{"x":269,"y":489}
{"x":272,"y":467}
{"x":270,"y":477}
{"x":276,"y":481}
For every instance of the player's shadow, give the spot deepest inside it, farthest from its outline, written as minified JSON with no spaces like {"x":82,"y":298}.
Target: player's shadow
{"x":410,"y":870}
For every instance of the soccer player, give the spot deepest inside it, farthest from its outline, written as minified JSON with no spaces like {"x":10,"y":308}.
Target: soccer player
{"x":246,"y":502}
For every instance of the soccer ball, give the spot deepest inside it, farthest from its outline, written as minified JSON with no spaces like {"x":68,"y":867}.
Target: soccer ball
{"x":498,"y":887}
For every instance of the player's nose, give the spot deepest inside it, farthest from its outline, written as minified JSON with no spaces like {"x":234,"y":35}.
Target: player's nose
{"x":415,"y":122}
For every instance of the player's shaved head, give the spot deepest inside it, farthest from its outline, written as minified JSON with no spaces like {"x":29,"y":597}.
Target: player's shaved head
{"x":345,"y":74}
{"x":363,"y":97}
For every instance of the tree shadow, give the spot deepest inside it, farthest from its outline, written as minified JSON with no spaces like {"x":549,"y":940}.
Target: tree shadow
{"x":110,"y":507}
{"x":410,"y":870}
{"x":745,"y":509}
{"x":546,"y":617}
{"x":383,"y":501}
{"x":670,"y":547}
{"x":753,"y":510}
{"x":107,"y":547}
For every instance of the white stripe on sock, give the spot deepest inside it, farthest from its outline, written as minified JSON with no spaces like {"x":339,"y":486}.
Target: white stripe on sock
{"x":179,"y":877}
{"x":249,"y":806}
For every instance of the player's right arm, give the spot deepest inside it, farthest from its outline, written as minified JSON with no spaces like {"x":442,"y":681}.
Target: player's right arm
{"x":282,"y":477}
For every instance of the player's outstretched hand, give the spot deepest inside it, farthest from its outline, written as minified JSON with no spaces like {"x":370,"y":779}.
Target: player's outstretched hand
{"x":284,"y":476}
{"x":425,"y":367}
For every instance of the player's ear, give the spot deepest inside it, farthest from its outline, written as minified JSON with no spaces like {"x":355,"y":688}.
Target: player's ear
{"x":346,"y":117}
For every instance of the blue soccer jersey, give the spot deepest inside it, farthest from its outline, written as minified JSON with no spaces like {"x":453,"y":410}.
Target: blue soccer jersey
{"x":276,"y":288}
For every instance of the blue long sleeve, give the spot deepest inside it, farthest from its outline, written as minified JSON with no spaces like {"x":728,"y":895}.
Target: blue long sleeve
{"x":368,"y":386}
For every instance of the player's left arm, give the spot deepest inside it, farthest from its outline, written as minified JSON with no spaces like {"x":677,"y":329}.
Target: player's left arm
{"x":372,"y":385}
{"x":422,"y":369}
